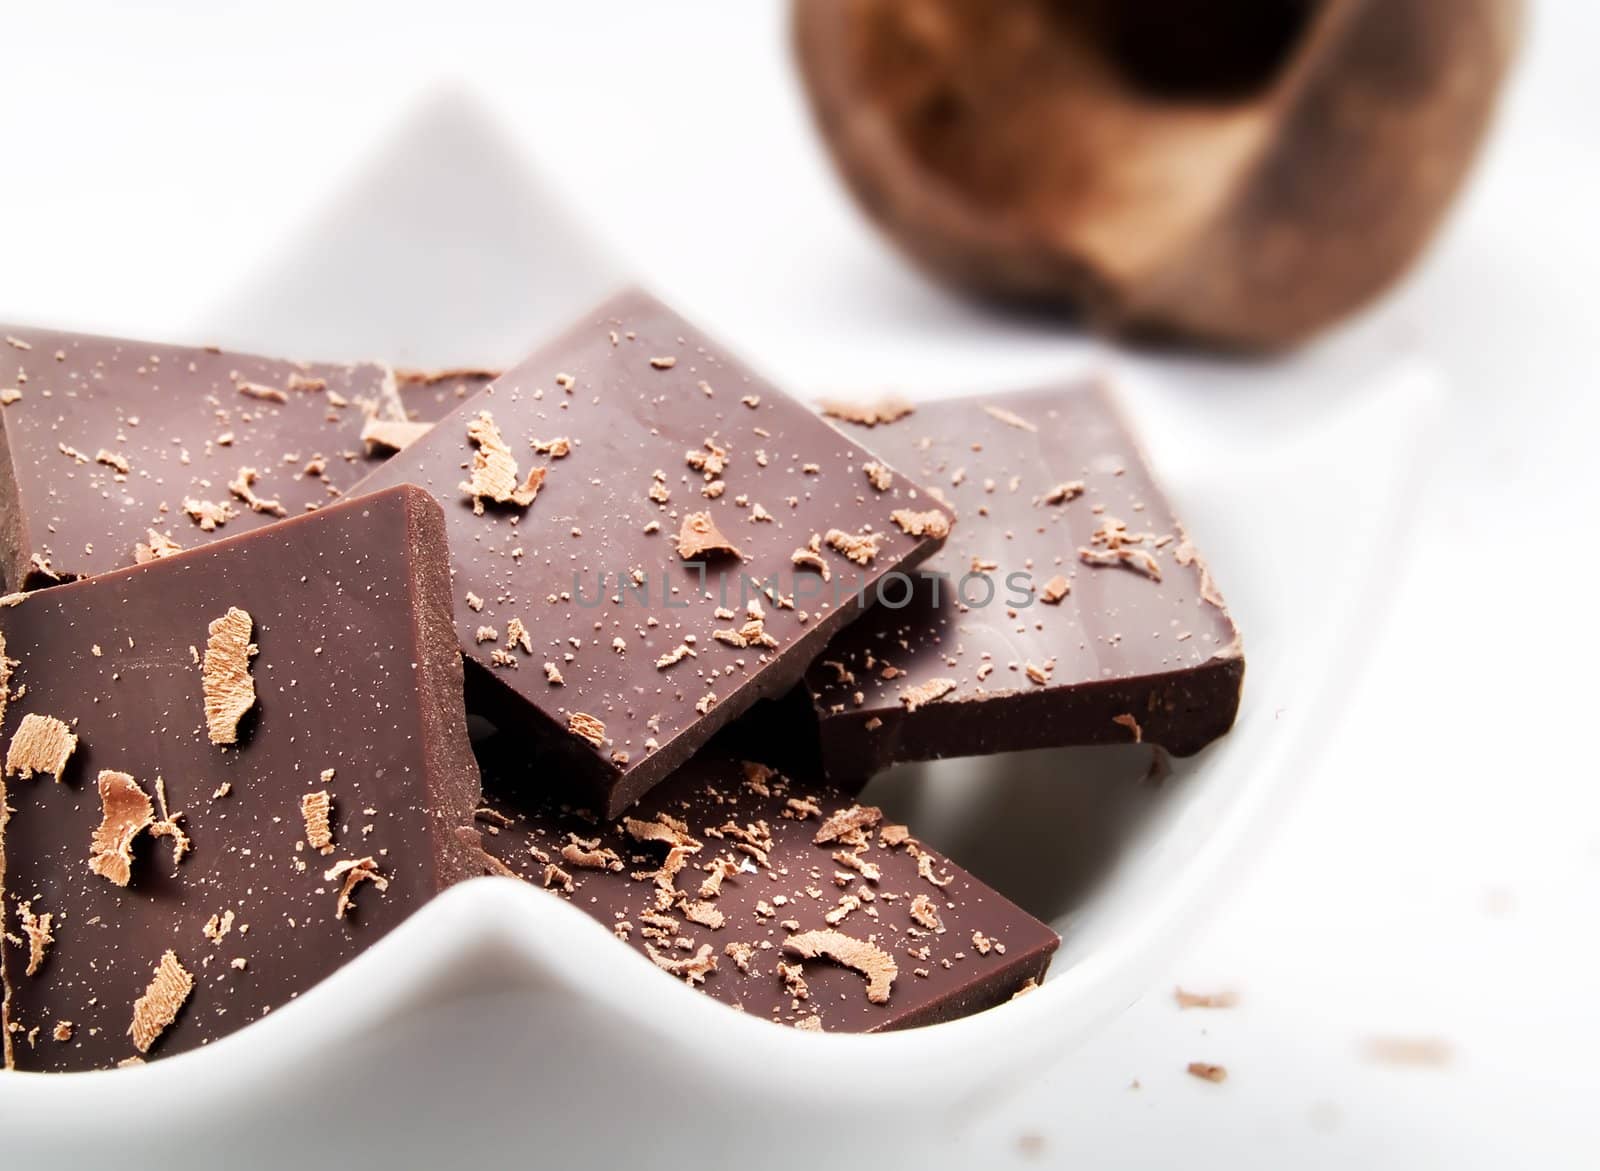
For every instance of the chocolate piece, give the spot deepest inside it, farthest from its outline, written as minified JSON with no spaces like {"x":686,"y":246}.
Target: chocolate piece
{"x":1068,"y":607}
{"x":625,"y":495}
{"x":356,"y":692}
{"x":107,"y":445}
{"x":774,"y":894}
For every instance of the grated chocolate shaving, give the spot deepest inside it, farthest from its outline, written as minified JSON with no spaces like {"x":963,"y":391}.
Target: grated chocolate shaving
{"x":925,"y":914}
{"x":869,"y":959}
{"x":557,"y":448}
{"x":494,"y":469}
{"x":37,"y":929}
{"x":354,"y":871}
{"x":1127,"y":720}
{"x":41,"y":744}
{"x":315,"y":809}
{"x":794,"y":980}
{"x":126,"y":811}
{"x":586,"y":727}
{"x":225,"y":677}
{"x":847,"y":822}
{"x":168,"y":827}
{"x":517,"y":636}
{"x":699,"y":536}
{"x":932,"y":523}
{"x":693,"y":969}
{"x":923,"y":693}
{"x":242,"y":487}
{"x":879,"y":476}
{"x":392,"y":434}
{"x":587,"y":854}
{"x":1064,"y":492}
{"x":809,"y":1024}
{"x":155,"y":1011}
{"x":886,"y":410}
{"x":1010,"y":418}
{"x":154,"y":547}
{"x":218,"y":926}
{"x":1207,"y":1072}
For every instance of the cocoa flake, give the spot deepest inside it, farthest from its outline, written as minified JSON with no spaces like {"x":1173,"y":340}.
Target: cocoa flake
{"x":847,"y":821}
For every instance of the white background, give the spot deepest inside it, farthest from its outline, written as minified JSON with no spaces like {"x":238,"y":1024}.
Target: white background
{"x":1438,"y":875}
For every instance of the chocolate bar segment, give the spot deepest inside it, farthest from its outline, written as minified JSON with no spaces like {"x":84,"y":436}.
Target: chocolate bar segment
{"x":777,"y":895}
{"x":113,"y":451}
{"x":229,"y":772}
{"x":647,"y":539}
{"x":1068,"y":608}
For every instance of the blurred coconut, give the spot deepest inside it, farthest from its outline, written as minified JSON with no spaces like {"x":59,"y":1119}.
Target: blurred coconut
{"x":1239,"y":173}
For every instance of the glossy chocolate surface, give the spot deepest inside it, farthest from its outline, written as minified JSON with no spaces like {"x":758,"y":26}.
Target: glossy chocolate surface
{"x":102,"y":440}
{"x":1038,"y":480}
{"x":643,"y":422}
{"x":956,"y":945}
{"x":357,"y":673}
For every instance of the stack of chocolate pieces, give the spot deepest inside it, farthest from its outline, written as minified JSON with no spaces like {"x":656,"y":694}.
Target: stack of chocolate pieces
{"x":249,"y":605}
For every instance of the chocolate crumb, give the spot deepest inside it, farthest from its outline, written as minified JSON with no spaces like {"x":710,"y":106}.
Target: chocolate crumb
{"x":923,"y":693}
{"x":208,"y":515}
{"x":229,"y":690}
{"x":879,"y":476}
{"x":242,"y":487}
{"x":1064,"y":492}
{"x":932,"y":523}
{"x":858,"y":548}
{"x":847,"y":822}
{"x":1127,"y":720}
{"x":666,"y":363}
{"x":1055,"y":590}
{"x":1207,"y":1072}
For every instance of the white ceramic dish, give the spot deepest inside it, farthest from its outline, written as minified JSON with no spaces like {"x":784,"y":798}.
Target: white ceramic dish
{"x":499,"y":1019}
